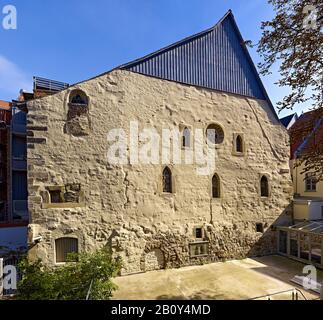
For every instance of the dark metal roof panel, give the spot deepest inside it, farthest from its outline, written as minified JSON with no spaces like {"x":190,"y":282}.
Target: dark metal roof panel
{"x":216,"y":58}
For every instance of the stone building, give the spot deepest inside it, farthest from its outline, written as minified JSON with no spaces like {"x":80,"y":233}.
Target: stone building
{"x":157,"y":215}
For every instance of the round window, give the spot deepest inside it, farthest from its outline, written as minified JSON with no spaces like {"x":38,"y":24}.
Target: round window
{"x":214,"y":133}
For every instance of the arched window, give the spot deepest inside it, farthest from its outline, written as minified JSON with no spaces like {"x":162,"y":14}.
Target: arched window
{"x":64,"y":246}
{"x":78,"y":97}
{"x":186,"y":137}
{"x":239,"y":144}
{"x":214,"y":134}
{"x":215,"y":186}
{"x":264,"y":186}
{"x":167,"y":180}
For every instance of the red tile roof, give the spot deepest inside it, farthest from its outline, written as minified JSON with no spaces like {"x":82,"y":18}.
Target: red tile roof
{"x":5,"y":104}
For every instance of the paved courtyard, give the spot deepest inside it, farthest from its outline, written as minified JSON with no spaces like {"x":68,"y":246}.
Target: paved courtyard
{"x":237,"y":279}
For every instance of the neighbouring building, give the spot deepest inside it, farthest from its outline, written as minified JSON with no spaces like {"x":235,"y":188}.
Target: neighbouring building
{"x":13,"y":180}
{"x":5,"y":120}
{"x":160,"y":215}
{"x":289,"y":120}
{"x":306,"y":137}
{"x":303,"y":240}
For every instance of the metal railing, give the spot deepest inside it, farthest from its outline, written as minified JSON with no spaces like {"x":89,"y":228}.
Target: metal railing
{"x":49,"y":85}
{"x":296,"y":293}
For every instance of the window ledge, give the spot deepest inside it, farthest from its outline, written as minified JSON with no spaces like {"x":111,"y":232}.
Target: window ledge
{"x":62,"y":205}
{"x":238,"y":154}
{"x":200,"y":255}
{"x":167,"y":194}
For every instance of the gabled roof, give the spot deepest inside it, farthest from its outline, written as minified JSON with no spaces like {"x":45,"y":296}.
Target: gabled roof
{"x":287,"y":121}
{"x":216,"y":58}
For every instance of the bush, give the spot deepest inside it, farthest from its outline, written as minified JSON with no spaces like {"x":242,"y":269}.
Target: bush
{"x":91,"y":275}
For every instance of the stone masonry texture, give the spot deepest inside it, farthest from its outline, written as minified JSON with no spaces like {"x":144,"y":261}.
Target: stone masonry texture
{"x":123,"y":207}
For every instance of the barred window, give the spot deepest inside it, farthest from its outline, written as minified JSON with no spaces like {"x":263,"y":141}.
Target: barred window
{"x":65,"y":246}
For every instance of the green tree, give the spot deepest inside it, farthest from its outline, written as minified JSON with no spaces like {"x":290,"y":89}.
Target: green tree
{"x":293,"y":40}
{"x":91,"y":276}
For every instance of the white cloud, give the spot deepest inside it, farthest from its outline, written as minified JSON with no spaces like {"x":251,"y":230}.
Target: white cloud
{"x":12,"y":79}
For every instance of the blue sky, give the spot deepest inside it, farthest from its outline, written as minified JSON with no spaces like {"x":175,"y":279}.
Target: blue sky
{"x":73,"y":40}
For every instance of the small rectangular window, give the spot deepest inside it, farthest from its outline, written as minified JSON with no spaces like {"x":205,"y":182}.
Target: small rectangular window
{"x":260,"y":227}
{"x":65,"y":246}
{"x":55,"y":196}
{"x":198,"y":233}
{"x":310,"y":183}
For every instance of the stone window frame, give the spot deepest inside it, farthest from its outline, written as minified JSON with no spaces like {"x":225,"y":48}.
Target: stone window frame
{"x":199,"y":244}
{"x":266,"y":175}
{"x":67,"y":99}
{"x":208,"y":142}
{"x":183,"y":127}
{"x":161,"y":184}
{"x":202,"y":232}
{"x":47,"y":204}
{"x":82,"y":92}
{"x":234,"y":149}
{"x":62,"y":236}
{"x":220,"y":187}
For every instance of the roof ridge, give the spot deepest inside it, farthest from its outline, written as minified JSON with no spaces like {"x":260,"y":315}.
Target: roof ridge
{"x":175,"y":44}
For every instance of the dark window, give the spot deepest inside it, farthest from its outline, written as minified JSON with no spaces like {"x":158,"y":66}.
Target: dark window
{"x":55,"y":196}
{"x":215,"y":186}
{"x":167,"y":180}
{"x":260,"y":227}
{"x":79,"y":98}
{"x":198,"y":233}
{"x":264,"y":186}
{"x":310,"y":183}
{"x":239,"y":144}
{"x":186,"y":137}
{"x":322,"y":212}
{"x":65,"y":246}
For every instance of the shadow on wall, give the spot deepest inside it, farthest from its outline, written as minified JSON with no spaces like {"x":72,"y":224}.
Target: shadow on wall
{"x":267,"y":244}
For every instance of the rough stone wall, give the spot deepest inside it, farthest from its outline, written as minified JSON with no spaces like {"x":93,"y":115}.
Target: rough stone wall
{"x":123,"y":205}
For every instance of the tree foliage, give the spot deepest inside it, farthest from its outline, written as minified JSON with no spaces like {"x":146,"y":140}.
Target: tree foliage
{"x":294,"y":40}
{"x":91,"y":276}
